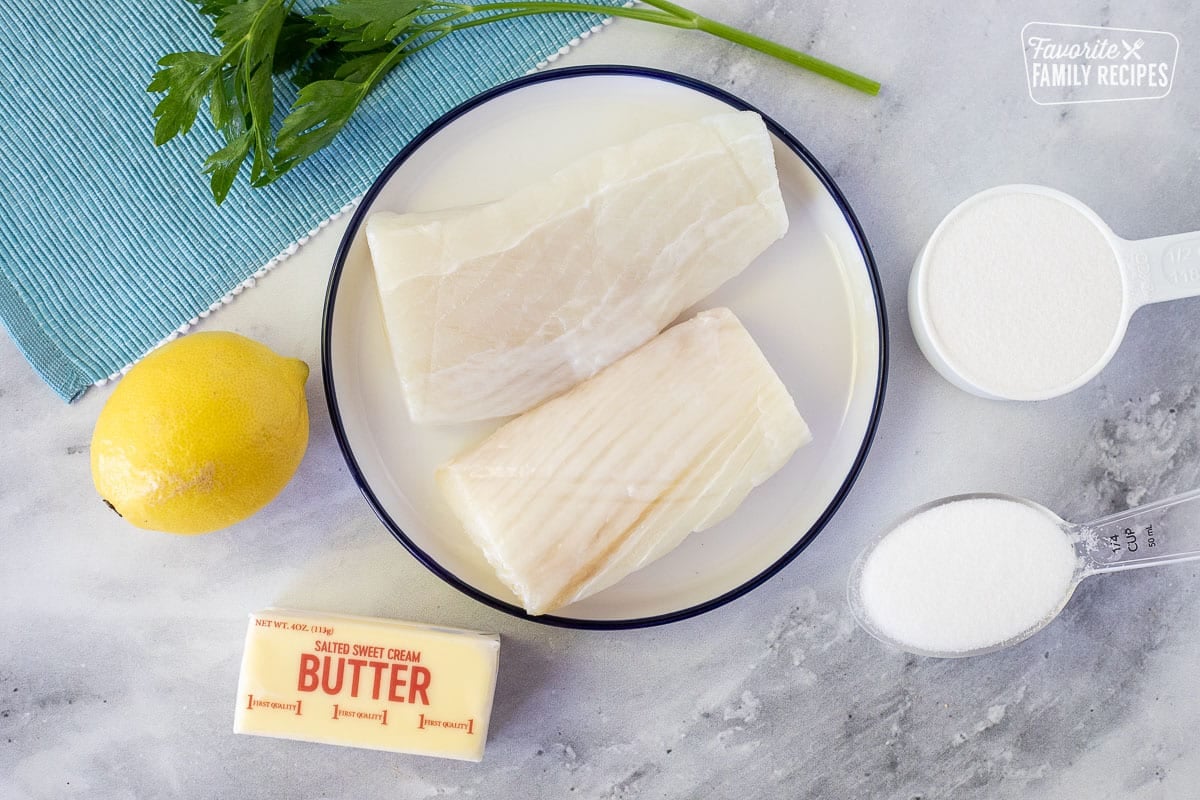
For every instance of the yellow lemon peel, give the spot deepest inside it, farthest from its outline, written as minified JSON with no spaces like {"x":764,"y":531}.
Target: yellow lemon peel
{"x":201,"y":433}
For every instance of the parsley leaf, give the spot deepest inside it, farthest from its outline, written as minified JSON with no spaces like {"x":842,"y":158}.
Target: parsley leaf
{"x":336,"y":55}
{"x":186,"y":78}
{"x":368,"y":24}
{"x":223,"y":166}
{"x":320,"y":112}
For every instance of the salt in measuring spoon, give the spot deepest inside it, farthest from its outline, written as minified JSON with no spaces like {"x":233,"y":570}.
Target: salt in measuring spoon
{"x":967,"y":596}
{"x":1023,"y":293}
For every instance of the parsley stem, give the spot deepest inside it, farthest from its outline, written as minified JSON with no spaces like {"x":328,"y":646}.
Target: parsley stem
{"x":669,"y":7}
{"x":550,"y":7}
{"x":528,"y":12}
{"x":791,"y":56}
{"x":406,"y":47}
{"x":670,"y":14}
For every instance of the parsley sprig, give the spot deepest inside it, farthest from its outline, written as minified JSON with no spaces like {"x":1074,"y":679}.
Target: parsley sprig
{"x":336,"y":55}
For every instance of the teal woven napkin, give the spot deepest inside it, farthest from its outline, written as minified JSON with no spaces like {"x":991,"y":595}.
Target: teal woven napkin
{"x":107,"y":244}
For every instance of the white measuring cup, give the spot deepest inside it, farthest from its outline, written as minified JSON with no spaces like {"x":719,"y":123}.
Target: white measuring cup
{"x":1163,"y":532}
{"x":1149,"y":271}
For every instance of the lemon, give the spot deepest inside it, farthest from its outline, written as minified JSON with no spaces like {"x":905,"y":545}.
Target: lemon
{"x":201,"y":433}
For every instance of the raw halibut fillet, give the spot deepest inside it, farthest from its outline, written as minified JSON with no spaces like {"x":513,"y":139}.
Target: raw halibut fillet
{"x":492,"y":309}
{"x":574,"y":495}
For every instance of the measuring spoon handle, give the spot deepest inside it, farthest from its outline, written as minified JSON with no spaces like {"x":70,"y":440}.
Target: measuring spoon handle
{"x":1163,"y":268}
{"x":1163,"y":532}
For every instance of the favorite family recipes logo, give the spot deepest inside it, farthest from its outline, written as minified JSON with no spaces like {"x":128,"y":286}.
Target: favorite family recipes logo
{"x":1090,"y":64}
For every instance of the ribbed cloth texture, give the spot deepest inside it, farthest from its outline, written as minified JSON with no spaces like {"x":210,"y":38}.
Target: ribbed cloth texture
{"x":108,"y":244}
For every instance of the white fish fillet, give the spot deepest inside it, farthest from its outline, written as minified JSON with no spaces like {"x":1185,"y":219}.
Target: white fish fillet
{"x":492,"y":309}
{"x":574,"y":495}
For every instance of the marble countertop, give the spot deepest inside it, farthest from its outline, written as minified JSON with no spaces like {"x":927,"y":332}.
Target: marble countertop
{"x":119,"y":650}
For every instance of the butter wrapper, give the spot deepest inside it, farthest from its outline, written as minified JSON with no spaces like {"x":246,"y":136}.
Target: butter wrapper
{"x":367,"y":682}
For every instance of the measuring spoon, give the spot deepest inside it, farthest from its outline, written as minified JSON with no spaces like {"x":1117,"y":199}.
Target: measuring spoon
{"x":1133,"y":274}
{"x":1164,"y":532}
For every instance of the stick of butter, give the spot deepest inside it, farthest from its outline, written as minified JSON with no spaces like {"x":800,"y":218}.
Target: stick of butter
{"x":365,"y":682}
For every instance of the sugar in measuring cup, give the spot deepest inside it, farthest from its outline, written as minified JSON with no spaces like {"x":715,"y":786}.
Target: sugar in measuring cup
{"x":974,"y":573}
{"x":1023,"y":293}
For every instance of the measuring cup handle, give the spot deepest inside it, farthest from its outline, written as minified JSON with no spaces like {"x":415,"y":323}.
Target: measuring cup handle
{"x":1163,"y":268}
{"x":1157,"y":533}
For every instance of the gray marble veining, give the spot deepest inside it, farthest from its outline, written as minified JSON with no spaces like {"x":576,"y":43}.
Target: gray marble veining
{"x":119,"y":651}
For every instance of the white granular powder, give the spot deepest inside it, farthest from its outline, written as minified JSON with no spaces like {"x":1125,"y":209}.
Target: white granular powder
{"x":968,"y":574}
{"x":1023,"y":294}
